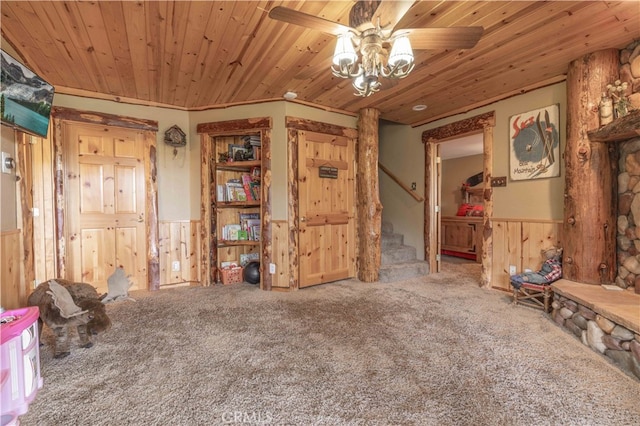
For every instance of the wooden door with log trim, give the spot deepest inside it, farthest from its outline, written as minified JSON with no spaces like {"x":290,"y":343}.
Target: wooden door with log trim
{"x":326,"y":220}
{"x":105,"y":204}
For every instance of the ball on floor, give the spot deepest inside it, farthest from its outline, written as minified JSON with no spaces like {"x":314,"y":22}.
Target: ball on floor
{"x":251,"y":273}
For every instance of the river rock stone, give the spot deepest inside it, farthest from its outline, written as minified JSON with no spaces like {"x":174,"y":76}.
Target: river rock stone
{"x":624,"y":243}
{"x":622,"y":271}
{"x":612,"y":343}
{"x":566,"y":313}
{"x":624,"y":207}
{"x":586,"y":312}
{"x":580,"y":321}
{"x":632,"y":163}
{"x":557,"y":318}
{"x":594,"y":337}
{"x":572,"y":327}
{"x":631,"y":262}
{"x":623,"y":220}
{"x":625,"y":361}
{"x":584,"y":339}
{"x":571,"y":305}
{"x":620,"y":332}
{"x":635,"y":67}
{"x":556,"y":304}
{"x":634,"y":347}
{"x":623,"y":184}
{"x":605,"y":325}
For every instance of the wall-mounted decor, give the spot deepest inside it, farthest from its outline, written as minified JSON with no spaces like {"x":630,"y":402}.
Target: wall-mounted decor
{"x":25,"y":98}
{"x":175,"y":137}
{"x":534,"y":141}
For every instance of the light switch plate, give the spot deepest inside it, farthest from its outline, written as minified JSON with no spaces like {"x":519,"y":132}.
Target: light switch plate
{"x":499,"y":181}
{"x":7,"y":163}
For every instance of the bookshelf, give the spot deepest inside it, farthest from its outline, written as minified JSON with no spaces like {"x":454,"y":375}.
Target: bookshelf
{"x":236,"y":199}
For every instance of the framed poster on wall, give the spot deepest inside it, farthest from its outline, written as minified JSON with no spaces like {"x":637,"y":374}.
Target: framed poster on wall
{"x":534,"y":144}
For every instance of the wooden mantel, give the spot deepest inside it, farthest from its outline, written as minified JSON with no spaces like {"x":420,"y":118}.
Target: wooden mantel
{"x":619,"y":130}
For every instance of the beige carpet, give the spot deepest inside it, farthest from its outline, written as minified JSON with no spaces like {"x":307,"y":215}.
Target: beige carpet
{"x":430,"y":351}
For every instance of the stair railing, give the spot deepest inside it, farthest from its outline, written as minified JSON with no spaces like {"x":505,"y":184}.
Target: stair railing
{"x":410,"y":191}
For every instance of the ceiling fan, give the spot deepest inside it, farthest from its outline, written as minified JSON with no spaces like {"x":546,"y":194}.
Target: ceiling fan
{"x":371,"y":30}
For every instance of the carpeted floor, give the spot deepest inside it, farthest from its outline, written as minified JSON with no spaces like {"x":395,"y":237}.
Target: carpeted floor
{"x":431,"y":351}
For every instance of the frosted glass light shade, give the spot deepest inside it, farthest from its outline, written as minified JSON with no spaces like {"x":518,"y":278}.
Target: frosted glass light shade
{"x":401,"y":53}
{"x":345,"y":54}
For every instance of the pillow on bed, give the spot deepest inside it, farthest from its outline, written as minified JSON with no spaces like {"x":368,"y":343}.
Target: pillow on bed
{"x":464,"y":209}
{"x":476,"y":210}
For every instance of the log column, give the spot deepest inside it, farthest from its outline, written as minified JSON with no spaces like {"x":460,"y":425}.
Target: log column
{"x":369,"y":206}
{"x":589,"y":229}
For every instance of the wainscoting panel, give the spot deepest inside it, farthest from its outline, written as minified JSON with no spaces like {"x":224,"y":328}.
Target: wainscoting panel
{"x":179,"y":241}
{"x":13,"y":293}
{"x":280,"y":241}
{"x":519,"y":242}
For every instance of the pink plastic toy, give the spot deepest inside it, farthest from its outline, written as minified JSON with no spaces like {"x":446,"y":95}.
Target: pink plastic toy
{"x":19,"y":362}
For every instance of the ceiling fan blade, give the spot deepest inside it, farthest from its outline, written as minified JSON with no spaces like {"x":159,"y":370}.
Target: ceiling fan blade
{"x":391,"y":12}
{"x":444,"y":38}
{"x":295,"y":17}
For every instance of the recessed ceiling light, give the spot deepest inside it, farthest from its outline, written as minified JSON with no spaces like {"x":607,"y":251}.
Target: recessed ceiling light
{"x":290,"y":96}
{"x":419,"y":107}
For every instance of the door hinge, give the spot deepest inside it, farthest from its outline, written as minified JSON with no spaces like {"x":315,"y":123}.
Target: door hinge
{"x":438,"y":160}
{"x":437,"y":258}
{"x":437,"y":209}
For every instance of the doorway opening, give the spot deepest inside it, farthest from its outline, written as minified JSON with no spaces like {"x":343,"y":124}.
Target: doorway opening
{"x":432,"y":139}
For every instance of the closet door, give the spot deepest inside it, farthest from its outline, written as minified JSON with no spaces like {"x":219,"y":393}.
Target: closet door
{"x":326,"y":194}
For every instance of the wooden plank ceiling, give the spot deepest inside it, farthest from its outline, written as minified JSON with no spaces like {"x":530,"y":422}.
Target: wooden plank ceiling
{"x":199,"y":54}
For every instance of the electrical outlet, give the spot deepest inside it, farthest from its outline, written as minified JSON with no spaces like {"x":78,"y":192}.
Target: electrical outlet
{"x":512,"y":269}
{"x":272,"y":268}
{"x":413,"y":186}
{"x":175,"y":266}
{"x":499,"y":181}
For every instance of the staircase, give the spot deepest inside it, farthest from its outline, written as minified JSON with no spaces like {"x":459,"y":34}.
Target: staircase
{"x":398,"y":261}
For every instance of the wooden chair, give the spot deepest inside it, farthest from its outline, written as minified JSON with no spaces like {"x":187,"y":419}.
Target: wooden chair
{"x":534,"y":295}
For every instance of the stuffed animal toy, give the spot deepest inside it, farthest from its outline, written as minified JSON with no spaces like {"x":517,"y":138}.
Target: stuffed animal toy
{"x":118,"y":284}
{"x":64,"y":304}
{"x":550,"y":271}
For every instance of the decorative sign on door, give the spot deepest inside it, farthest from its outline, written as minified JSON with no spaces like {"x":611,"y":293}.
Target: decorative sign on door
{"x":534,"y":140}
{"x":328,"y":172}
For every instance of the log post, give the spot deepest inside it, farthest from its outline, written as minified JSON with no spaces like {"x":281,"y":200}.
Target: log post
{"x":369,"y":206}
{"x":589,"y":228}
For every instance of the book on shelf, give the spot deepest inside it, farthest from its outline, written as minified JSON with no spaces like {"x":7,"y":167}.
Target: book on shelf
{"x":235,"y":190}
{"x":248,"y":257}
{"x":248,"y":223}
{"x":230,"y":231}
{"x":253,"y":140}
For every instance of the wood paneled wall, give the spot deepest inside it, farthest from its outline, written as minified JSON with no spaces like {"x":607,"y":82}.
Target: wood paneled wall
{"x":519,"y":242}
{"x":13,"y":293}
{"x":179,"y":241}
{"x":44,"y":230}
{"x":280,"y":241}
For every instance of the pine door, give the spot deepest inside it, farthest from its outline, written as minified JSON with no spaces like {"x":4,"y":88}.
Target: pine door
{"x":326,"y":194}
{"x":105,"y":204}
